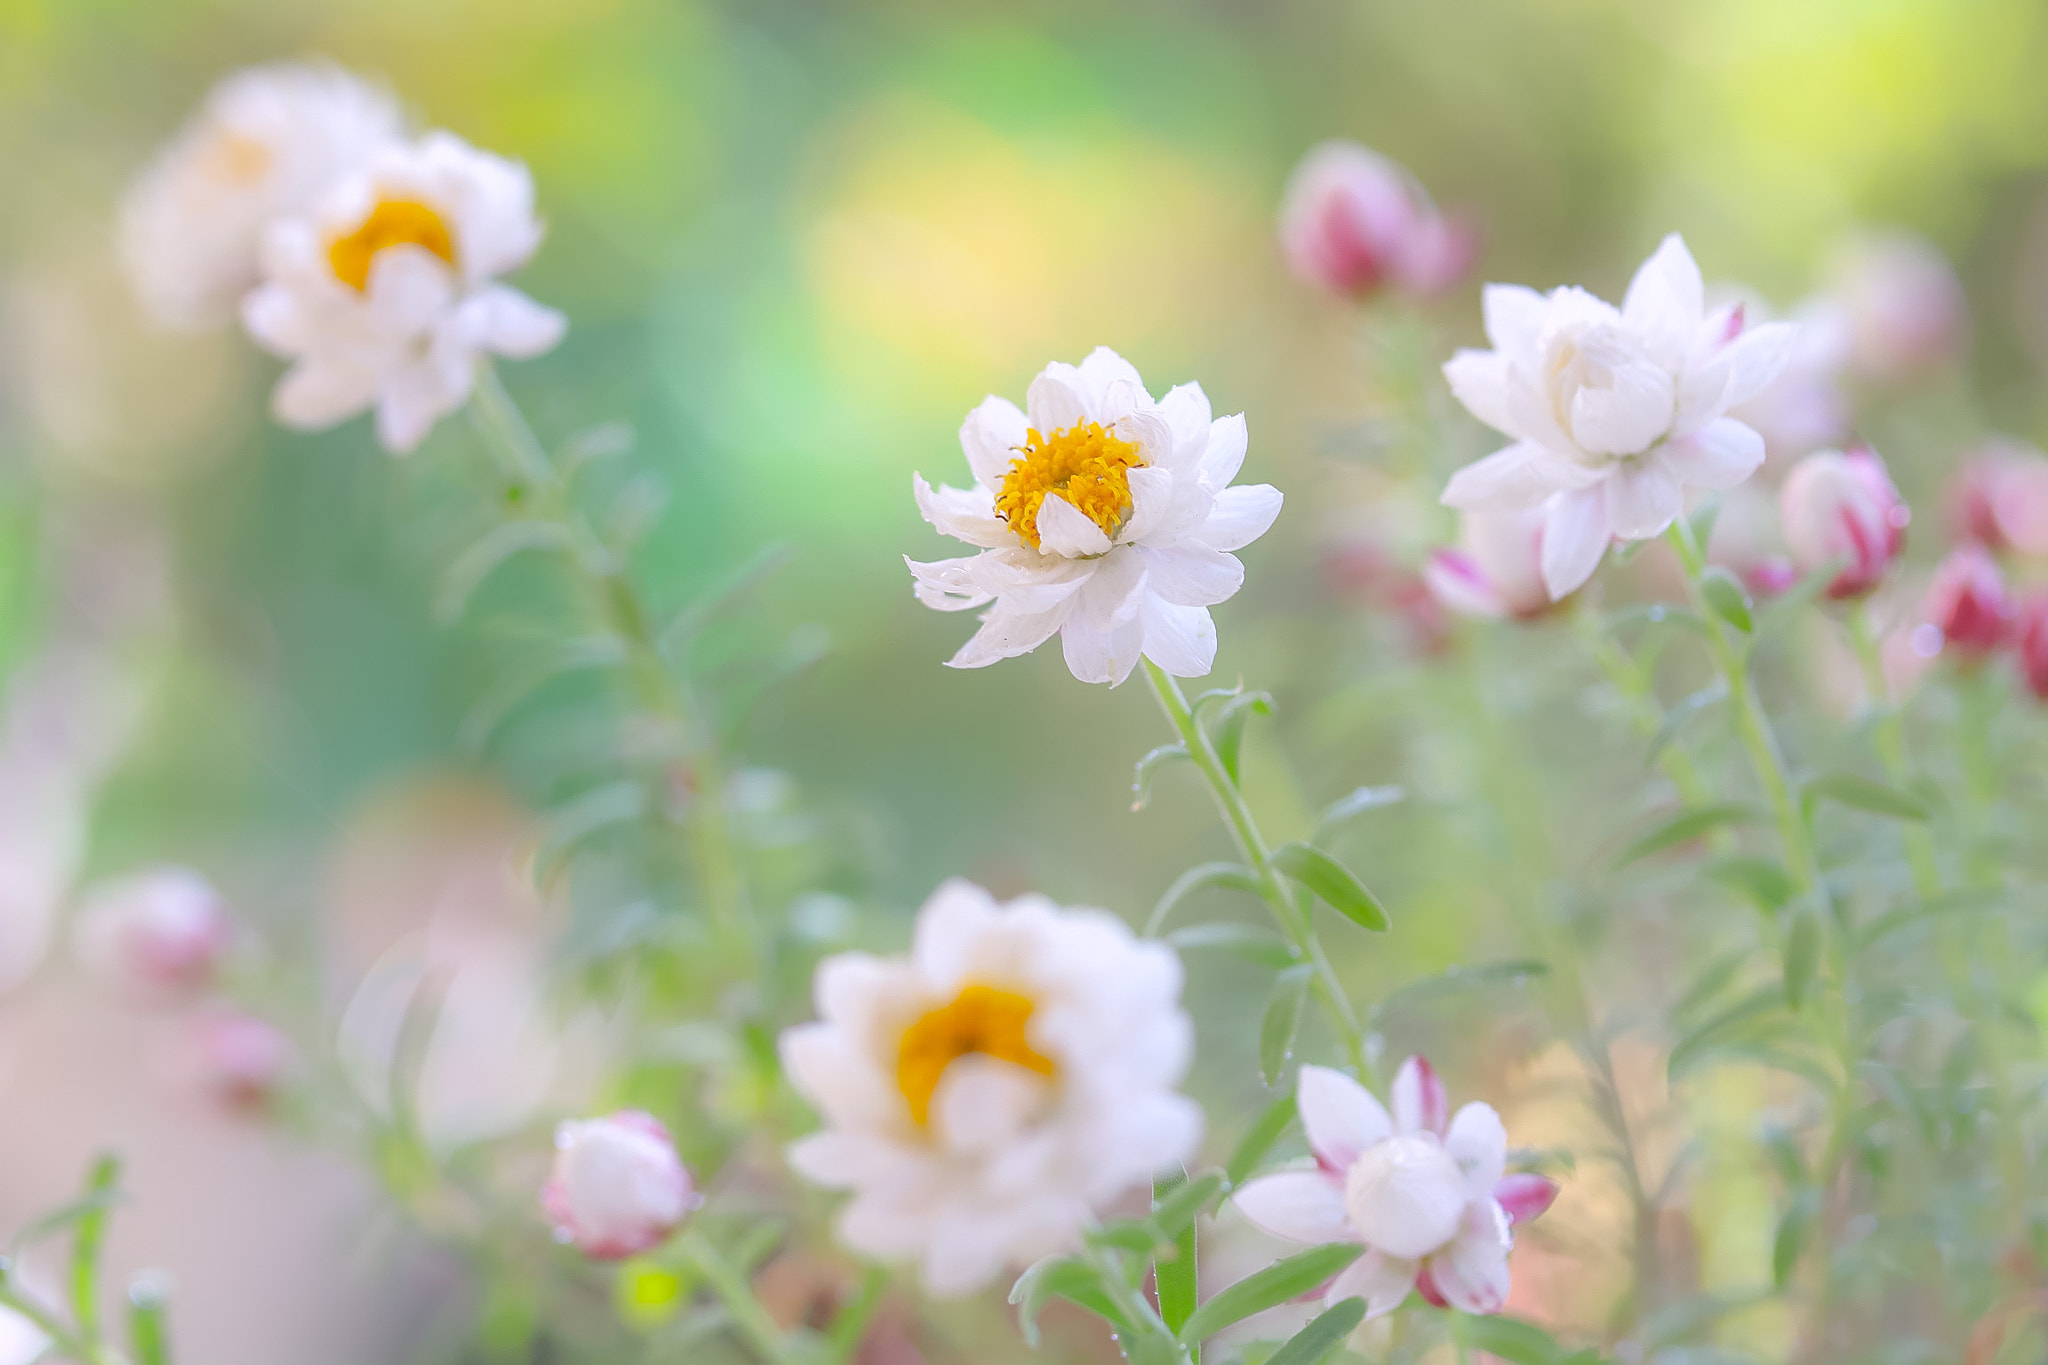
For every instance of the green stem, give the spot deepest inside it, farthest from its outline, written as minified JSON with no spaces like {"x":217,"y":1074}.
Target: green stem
{"x":1296,"y":921}
{"x":1633,"y":682}
{"x":749,"y":1318}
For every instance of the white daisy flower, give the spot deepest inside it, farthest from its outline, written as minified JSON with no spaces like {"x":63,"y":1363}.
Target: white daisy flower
{"x":386,"y":294}
{"x":1615,"y":412}
{"x":267,"y":141}
{"x":984,"y":1096}
{"x":1103,"y":517}
{"x":1427,"y":1192}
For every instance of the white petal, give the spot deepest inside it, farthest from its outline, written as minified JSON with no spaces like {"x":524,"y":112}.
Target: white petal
{"x":315,"y":393}
{"x":1341,"y":1117}
{"x":1514,"y":317}
{"x":1575,"y":536}
{"x":967,"y":514}
{"x":1064,"y":530}
{"x":511,"y":324}
{"x":1057,"y":399}
{"x":1666,"y":301}
{"x":1419,"y":1102}
{"x":410,"y":289}
{"x":1152,"y":496}
{"x":1718,"y":456}
{"x":406,"y":412}
{"x":1629,"y":416}
{"x":1144,"y":428}
{"x":1192,"y":575}
{"x":1186,"y":410}
{"x":1104,"y":371}
{"x":949,"y":924}
{"x":1180,"y":639}
{"x":1101,"y":653}
{"x":949,"y":584}
{"x":1758,"y":357}
{"x":991,"y":437}
{"x":1456,"y":581}
{"x":1482,"y":381}
{"x":1007,"y":631}
{"x":1517,"y":476}
{"x":1242,"y":513}
{"x":1302,"y":1206}
{"x":1224,"y":455}
{"x":1479,"y":1144}
{"x":1642,"y":498}
{"x":1472,"y":1272}
{"x":1383,"y":1281}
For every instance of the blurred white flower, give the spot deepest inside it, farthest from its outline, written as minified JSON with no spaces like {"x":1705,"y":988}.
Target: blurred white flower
{"x":1495,"y":569}
{"x":988,"y":1093}
{"x":1427,"y":1192}
{"x":618,"y":1188}
{"x":1103,"y":517}
{"x":21,"y":1341}
{"x":1844,"y":506}
{"x":1353,"y":222}
{"x":157,"y":934}
{"x":2000,"y":498}
{"x":385,"y":294}
{"x":1902,"y":303}
{"x":266,"y":142}
{"x":1806,"y":406}
{"x":1615,"y":412}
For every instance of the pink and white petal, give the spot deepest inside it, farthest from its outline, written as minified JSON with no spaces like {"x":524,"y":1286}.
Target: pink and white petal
{"x":948,"y":584}
{"x":1191,"y":575}
{"x":511,"y":324}
{"x":1008,"y":631}
{"x":318,"y":393}
{"x":1478,"y":1142}
{"x":1383,"y":1281}
{"x":1223,"y":456}
{"x":1483,"y":381}
{"x":1514,"y":477}
{"x":967,"y":514}
{"x":990,"y":438}
{"x":1472,"y":1272}
{"x":1524,"y":1196}
{"x":1642,"y":498}
{"x":1576,"y":533}
{"x":1241,"y":514}
{"x":1186,"y":410}
{"x":1341,"y":1117}
{"x":1514,"y":317}
{"x":1457,"y":582}
{"x":1420,"y":1102}
{"x":1720,"y":455}
{"x":1666,"y":301}
{"x":1064,"y":530}
{"x":1756,"y":358}
{"x":1179,"y":638}
{"x":1302,"y":1206}
{"x":1057,"y":399}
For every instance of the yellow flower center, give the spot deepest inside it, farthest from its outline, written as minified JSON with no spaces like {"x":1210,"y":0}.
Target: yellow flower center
{"x":980,"y":1019}
{"x":394,"y":222}
{"x":1084,"y":464}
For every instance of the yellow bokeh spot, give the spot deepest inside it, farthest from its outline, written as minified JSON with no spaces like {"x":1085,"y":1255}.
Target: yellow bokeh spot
{"x":981,"y":1019}
{"x":394,"y":222}
{"x":1084,"y":464}
{"x":649,"y":1294}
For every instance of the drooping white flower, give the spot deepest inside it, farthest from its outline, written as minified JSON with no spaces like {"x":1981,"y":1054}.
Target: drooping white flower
{"x":1615,"y":412}
{"x":1104,"y":517}
{"x":157,"y":934}
{"x":618,"y":1187}
{"x":266,"y":142}
{"x":984,"y":1095}
{"x":1427,"y":1192}
{"x":386,"y":294}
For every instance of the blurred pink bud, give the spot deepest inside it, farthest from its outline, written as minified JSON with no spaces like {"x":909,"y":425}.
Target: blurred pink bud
{"x":2033,"y":645}
{"x":1969,"y":602}
{"x":1353,"y":222}
{"x":2000,"y":498}
{"x":1496,"y":569}
{"x":1747,"y":543}
{"x":1843,"y":506}
{"x":618,"y":1187}
{"x":237,"y":1058}
{"x":1904,"y":306}
{"x":158,"y":934}
{"x":1525,"y":1195}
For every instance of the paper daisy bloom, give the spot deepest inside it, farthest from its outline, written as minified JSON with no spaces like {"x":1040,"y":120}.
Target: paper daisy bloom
{"x":1103,"y":517}
{"x":1615,"y":412}
{"x":1426,"y":1192}
{"x":987,"y":1094}
{"x":618,"y":1188}
{"x":386,"y":294}
{"x":266,"y":142}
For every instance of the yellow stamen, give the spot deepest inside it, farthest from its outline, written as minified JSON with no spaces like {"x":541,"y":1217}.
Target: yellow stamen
{"x":980,"y":1019}
{"x":1084,"y":464}
{"x":394,"y":222}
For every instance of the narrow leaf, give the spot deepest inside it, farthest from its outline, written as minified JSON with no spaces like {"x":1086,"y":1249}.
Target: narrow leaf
{"x":1789,"y":605}
{"x":1174,"y":1210}
{"x":1686,"y":826}
{"x":1358,"y":802}
{"x":1766,"y":883}
{"x":1333,"y":882}
{"x":1282,"y":1021}
{"x":1802,"y":954}
{"x":147,"y":1334}
{"x":1268,"y":1288}
{"x":722,"y":594}
{"x":1174,"y":1279}
{"x":514,"y":686}
{"x":1726,"y":595}
{"x":1862,"y":793}
{"x":1793,"y":1226}
{"x":570,"y":824}
{"x":1315,"y":1343}
{"x":1230,"y":726}
{"x":1141,"y":776}
{"x":1259,"y":1138}
{"x":1234,"y":876}
{"x":1255,"y":944}
{"x":1059,"y":1277}
{"x":1523,"y":1343}
{"x":87,"y":1237}
{"x":1674,"y":719}
{"x":1714,"y":1031}
{"x":490,"y":551}
{"x":1457,"y":979}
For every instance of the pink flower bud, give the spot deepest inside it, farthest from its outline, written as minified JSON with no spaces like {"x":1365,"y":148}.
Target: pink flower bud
{"x":1904,"y":306}
{"x":618,"y":1187}
{"x":1496,"y":569}
{"x":1969,"y":602}
{"x":1838,"y":506}
{"x":156,"y":935}
{"x":1353,"y":222}
{"x":2033,"y":645}
{"x":2000,"y":498}
{"x":237,"y":1058}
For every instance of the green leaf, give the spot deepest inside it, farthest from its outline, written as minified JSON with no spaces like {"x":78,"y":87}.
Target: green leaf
{"x":1802,"y":953}
{"x":1703,"y":520}
{"x":1259,"y":1138}
{"x":1793,"y":1226}
{"x":1256,"y":944}
{"x":1675,"y":719}
{"x":87,"y":1236}
{"x":1229,"y":734}
{"x":487,"y":554}
{"x":1725,"y":594}
{"x":1862,"y":793}
{"x":1457,"y":979}
{"x":1148,"y":767}
{"x":1686,"y":826}
{"x":1523,"y":1343}
{"x":635,"y":509}
{"x":1766,"y":883}
{"x":1709,"y":984}
{"x":1333,"y":882}
{"x":1716,"y":1029}
{"x":1949,"y":902}
{"x":1059,"y":1277}
{"x":1315,"y":1343}
{"x":515,"y":685}
{"x":1357,"y":802}
{"x":725,"y":593}
{"x":1175,"y":1279}
{"x":1233,"y":876}
{"x":1268,"y":1288}
{"x":571,"y":823}
{"x":148,"y":1298}
{"x":1175,"y":1211}
{"x":1283,"y":1019}
{"x":1792,"y":603}
{"x":1126,"y":1234}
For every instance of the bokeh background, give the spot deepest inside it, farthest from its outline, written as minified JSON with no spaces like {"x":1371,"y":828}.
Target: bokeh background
{"x":796,"y":243}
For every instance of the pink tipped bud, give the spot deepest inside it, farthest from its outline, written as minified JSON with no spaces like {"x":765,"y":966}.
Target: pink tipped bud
{"x":236,"y":1058}
{"x":1904,"y":307}
{"x":2000,"y":499}
{"x":2033,"y":645}
{"x":156,"y":935}
{"x":1496,"y":569}
{"x":1969,"y":602}
{"x":618,"y":1187}
{"x":1525,"y":1195}
{"x":1353,"y":222}
{"x":1838,"y":506}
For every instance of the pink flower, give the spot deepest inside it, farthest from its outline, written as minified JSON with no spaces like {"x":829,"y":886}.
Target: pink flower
{"x":1353,"y":222}
{"x":1843,"y":506}
{"x":1969,"y":601}
{"x":2033,"y":645}
{"x":156,"y":935}
{"x":1496,"y":568}
{"x":237,"y":1058}
{"x":2000,"y":498}
{"x":1904,"y":307}
{"x":618,"y":1187}
{"x":1426,"y":1192}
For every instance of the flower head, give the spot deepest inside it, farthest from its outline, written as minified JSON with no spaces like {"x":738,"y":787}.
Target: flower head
{"x":1969,"y":601}
{"x":1353,"y":222}
{"x":2032,"y":641}
{"x":1844,"y":506}
{"x":2000,"y":498}
{"x":237,"y":1058}
{"x":157,"y":934}
{"x":984,"y":1095}
{"x":1903,"y":305}
{"x":1615,"y":411}
{"x":618,"y":1187}
{"x":385,"y":295}
{"x":1104,"y":517}
{"x":266,"y":142}
{"x":1426,"y":1191}
{"x":1495,"y":569}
